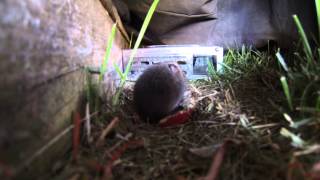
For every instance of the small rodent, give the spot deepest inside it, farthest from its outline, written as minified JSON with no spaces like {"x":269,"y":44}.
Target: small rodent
{"x":159,"y":91}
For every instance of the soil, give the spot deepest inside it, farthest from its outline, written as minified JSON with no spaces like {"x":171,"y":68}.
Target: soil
{"x":233,"y":134}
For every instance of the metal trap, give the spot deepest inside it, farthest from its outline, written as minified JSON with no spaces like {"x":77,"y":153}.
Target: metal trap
{"x":192,"y":59}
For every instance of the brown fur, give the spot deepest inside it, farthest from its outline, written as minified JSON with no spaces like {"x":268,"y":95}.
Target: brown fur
{"x":159,"y":91}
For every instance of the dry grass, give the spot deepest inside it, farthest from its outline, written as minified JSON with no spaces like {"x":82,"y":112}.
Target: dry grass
{"x":240,"y":112}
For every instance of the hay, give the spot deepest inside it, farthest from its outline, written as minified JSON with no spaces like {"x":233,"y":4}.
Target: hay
{"x":241,"y":113}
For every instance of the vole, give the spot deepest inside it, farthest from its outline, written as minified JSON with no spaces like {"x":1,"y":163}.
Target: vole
{"x":159,"y":91}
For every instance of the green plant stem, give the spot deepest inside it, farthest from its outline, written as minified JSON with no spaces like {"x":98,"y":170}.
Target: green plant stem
{"x":306,"y":45}
{"x":318,"y":104}
{"x":135,"y":48}
{"x":105,"y":61}
{"x":286,"y":91}
{"x":139,"y":39}
{"x":282,"y":61}
{"x":318,"y":16}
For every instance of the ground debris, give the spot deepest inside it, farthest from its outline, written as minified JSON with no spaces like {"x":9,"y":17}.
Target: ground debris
{"x":136,"y":150}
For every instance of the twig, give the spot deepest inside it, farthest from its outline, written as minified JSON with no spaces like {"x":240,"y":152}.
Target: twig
{"x":47,"y":146}
{"x":311,"y":149}
{"x":196,"y":90}
{"x":44,"y":148}
{"x":265,"y":126}
{"x":216,"y":123}
{"x":88,"y":123}
{"x":126,"y":138}
{"x":209,"y":95}
{"x":217,"y":161}
{"x":106,"y":131}
{"x":117,"y":153}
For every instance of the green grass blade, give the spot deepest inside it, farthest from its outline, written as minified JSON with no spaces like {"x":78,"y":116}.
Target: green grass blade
{"x":288,"y":118}
{"x":135,"y":48}
{"x":295,"y":140}
{"x":140,"y":36}
{"x":286,"y":91}
{"x":281,"y":61}
{"x":230,"y":68}
{"x":105,"y":61}
{"x":318,"y":104}
{"x":305,"y":93}
{"x":303,"y":122}
{"x":318,"y":16}
{"x":304,"y":38}
{"x":115,"y":99}
{"x":211,"y":70}
{"x":118,"y":70}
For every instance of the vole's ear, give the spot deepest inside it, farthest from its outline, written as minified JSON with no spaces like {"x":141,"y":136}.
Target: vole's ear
{"x":174,"y":68}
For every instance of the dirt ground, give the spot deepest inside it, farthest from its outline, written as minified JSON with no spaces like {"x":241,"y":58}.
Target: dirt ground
{"x":232,"y":134}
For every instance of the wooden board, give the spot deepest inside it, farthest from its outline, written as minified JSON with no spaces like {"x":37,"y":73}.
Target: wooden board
{"x":44,"y":47}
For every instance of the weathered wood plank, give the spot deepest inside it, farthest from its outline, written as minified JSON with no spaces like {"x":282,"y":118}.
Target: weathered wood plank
{"x":44,"y":46}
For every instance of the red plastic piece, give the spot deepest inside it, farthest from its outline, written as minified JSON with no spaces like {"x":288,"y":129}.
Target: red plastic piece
{"x":176,"y":119}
